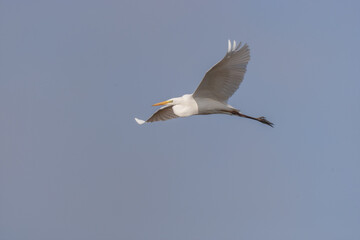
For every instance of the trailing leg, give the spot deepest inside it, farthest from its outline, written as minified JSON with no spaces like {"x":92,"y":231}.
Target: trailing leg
{"x":259,"y":119}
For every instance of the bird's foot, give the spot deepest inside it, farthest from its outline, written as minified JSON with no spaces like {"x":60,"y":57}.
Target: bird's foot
{"x":265,"y":121}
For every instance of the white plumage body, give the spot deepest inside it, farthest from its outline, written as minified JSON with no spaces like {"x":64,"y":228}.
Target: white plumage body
{"x":211,"y":106}
{"x":186,"y":107}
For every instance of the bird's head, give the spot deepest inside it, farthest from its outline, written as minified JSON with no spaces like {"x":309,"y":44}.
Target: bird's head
{"x":175,"y":101}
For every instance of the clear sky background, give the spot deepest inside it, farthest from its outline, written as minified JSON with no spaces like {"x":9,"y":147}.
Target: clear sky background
{"x":75,"y":165}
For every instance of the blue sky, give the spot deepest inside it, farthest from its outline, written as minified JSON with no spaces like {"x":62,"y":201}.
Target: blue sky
{"x":75,"y":165}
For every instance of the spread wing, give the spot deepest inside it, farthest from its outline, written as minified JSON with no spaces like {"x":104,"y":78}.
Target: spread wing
{"x":223,"y":79}
{"x":163,"y":114}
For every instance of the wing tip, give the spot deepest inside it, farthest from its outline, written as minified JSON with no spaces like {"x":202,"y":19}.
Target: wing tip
{"x":139,"y":121}
{"x":233,"y":46}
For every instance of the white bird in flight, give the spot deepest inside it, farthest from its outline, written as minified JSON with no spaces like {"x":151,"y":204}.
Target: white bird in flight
{"x":212,"y":95}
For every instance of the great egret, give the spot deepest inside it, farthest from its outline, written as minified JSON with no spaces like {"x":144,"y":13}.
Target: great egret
{"x":211,"y":96}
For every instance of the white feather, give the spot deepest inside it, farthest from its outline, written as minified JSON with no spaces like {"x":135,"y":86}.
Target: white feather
{"x":139,"y":121}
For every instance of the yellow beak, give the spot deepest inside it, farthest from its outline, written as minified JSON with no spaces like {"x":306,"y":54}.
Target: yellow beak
{"x":162,"y":103}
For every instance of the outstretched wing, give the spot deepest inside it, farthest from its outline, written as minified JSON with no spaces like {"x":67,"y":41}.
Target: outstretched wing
{"x":163,"y":114}
{"x":223,"y":79}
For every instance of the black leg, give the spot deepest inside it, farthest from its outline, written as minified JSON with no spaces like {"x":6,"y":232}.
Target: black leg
{"x":260,"y":119}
